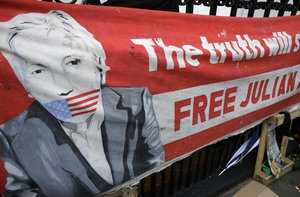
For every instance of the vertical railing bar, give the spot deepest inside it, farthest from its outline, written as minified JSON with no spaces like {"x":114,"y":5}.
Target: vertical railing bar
{"x":162,"y":186}
{"x":213,"y":8}
{"x":180,"y":175}
{"x":238,"y":142}
{"x":142,"y":187}
{"x":283,"y":4}
{"x":216,"y":160}
{"x":172,"y":180}
{"x":252,"y":8}
{"x":189,"y":174}
{"x":153,"y":185}
{"x":202,"y":177}
{"x":194,"y":165}
{"x":190,"y":6}
{"x":186,"y":163}
{"x":198,"y":165}
{"x":296,"y":4}
{"x":224,"y":153}
{"x":234,"y":7}
{"x":211,"y":170}
{"x":220,"y":157}
{"x":208,"y":162}
{"x":231,"y":148}
{"x":268,"y":8}
{"x":245,"y":137}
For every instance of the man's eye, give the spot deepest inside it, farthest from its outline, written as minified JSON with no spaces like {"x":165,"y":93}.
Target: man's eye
{"x":74,"y":62}
{"x":38,"y":71}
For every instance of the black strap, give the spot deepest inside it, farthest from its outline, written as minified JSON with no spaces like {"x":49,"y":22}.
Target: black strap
{"x":285,"y":128}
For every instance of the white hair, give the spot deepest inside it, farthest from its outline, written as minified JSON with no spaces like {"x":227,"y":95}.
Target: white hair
{"x":51,"y":21}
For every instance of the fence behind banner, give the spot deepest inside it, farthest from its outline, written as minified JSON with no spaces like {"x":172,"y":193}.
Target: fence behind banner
{"x":200,"y":166}
{"x":288,"y":7}
{"x":283,"y":7}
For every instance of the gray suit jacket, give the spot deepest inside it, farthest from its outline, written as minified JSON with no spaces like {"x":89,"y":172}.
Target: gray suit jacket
{"x":40,"y":157}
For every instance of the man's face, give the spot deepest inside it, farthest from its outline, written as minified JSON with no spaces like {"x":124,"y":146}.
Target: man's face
{"x":60,"y":66}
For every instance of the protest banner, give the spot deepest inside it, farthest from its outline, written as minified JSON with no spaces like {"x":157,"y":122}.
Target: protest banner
{"x":92,"y":97}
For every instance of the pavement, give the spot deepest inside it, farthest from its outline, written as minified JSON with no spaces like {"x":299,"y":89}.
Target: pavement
{"x":285,"y":186}
{"x":237,"y":181}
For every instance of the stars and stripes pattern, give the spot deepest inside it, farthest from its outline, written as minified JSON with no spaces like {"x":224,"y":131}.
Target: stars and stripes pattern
{"x":74,"y":106}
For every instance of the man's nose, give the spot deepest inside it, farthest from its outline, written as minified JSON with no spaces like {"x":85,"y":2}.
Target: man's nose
{"x":63,"y":87}
{"x":65,"y":93}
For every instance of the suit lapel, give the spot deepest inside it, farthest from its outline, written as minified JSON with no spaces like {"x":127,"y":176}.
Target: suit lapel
{"x":61,"y":138}
{"x":116,"y":118}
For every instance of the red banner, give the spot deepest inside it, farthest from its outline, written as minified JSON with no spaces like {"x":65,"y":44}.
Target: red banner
{"x":182,"y":82}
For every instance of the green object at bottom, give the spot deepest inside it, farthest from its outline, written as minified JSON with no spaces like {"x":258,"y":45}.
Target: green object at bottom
{"x":265,"y":167}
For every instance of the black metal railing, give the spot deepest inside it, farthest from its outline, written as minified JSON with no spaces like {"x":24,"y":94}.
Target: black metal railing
{"x":251,"y":5}
{"x":199,"y":166}
{"x":281,"y":6}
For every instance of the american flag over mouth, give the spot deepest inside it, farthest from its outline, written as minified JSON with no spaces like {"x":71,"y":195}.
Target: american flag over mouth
{"x":74,"y":106}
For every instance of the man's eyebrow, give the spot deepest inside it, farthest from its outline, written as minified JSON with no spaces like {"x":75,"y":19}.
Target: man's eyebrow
{"x":41,"y":65}
{"x":66,"y":58}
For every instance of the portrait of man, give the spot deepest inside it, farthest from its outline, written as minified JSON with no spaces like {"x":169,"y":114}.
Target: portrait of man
{"x":79,"y":137}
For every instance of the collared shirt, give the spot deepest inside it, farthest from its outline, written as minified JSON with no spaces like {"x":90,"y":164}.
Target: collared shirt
{"x":88,"y":139}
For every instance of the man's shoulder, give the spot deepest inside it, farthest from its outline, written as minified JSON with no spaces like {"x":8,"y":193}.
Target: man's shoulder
{"x":33,"y":112}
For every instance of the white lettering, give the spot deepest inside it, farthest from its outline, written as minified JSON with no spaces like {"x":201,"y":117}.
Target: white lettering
{"x":191,"y":51}
{"x":214,"y":59}
{"x":148,"y":43}
{"x":168,"y":50}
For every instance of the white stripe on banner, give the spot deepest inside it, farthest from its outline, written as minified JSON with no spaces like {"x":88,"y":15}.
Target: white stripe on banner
{"x":275,"y":86}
